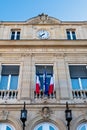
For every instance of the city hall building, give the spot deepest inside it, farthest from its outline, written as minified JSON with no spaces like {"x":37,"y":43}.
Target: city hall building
{"x":43,"y":74}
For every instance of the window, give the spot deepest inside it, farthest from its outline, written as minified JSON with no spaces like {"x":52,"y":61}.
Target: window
{"x":71,"y":35}
{"x":44,"y":73}
{"x":45,"y":126}
{"x":82,"y":127}
{"x":9,"y":77}
{"x":4,"y":126}
{"x":78,"y":74}
{"x":15,"y":35}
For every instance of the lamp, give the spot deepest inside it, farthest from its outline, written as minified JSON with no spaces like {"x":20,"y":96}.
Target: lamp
{"x":23,"y":116}
{"x":68,"y":115}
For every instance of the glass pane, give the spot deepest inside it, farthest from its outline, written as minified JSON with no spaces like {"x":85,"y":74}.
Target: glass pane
{"x":40,"y":69}
{"x":84,"y":83}
{"x":10,"y":70}
{"x":40,"y":128}
{"x":13,"y":32}
{"x":75,"y":83}
{"x":83,"y":128}
{"x":4,"y":82}
{"x":78,"y":71}
{"x":14,"y":82}
{"x":18,"y":36}
{"x":8,"y":128}
{"x":68,"y":35}
{"x":12,"y":35}
{"x":46,"y":126}
{"x":51,"y":128}
{"x":73,"y":35}
{"x":18,"y":33}
{"x":5,"y":127}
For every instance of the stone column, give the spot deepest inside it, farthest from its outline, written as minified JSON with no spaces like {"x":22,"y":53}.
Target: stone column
{"x":56,"y":83}
{"x":63,"y":86}
{"x":26,"y":77}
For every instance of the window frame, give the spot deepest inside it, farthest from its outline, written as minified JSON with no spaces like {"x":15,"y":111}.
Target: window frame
{"x":8,"y":86}
{"x":81,"y":87}
{"x":45,"y":123}
{"x":81,"y":125}
{"x":3,"y":126}
{"x":16,"y":35}
{"x":42,"y":88}
{"x":71,"y":35}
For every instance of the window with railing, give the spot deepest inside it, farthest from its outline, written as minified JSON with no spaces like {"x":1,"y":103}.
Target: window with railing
{"x":9,"y":81}
{"x":15,"y":34}
{"x":71,"y":34}
{"x":44,"y":82}
{"x":78,"y":75}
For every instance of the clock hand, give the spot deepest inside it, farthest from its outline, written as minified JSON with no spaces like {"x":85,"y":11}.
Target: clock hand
{"x":42,"y":34}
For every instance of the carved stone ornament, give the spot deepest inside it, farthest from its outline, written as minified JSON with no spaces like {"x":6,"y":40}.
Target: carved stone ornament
{"x":4,"y":115}
{"x":43,"y":17}
{"x":45,"y":112}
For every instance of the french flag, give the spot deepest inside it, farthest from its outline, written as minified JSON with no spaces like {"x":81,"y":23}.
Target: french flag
{"x":51,"y":86}
{"x":37,"y":85}
{"x":45,"y":87}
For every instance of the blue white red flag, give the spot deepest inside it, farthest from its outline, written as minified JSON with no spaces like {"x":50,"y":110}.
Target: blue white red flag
{"x":51,"y":86}
{"x":37,"y":85}
{"x":45,"y":87}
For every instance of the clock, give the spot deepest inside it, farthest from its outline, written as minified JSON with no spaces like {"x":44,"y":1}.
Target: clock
{"x":43,"y":34}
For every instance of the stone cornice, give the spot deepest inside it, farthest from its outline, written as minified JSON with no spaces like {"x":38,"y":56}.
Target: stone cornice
{"x":44,"y":43}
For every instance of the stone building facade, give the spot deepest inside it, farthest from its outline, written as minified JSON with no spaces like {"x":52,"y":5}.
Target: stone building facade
{"x":32,"y":53}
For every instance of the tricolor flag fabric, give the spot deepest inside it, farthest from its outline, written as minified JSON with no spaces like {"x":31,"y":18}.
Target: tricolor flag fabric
{"x":37,"y":85}
{"x":45,"y":87}
{"x":51,"y":86}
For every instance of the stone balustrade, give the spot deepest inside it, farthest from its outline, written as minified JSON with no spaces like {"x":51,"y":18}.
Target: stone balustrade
{"x":8,"y":94}
{"x":42,"y":95}
{"x":79,"y":94}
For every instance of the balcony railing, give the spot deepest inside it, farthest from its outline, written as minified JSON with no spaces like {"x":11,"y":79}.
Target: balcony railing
{"x":43,"y":95}
{"x":79,"y":94}
{"x":8,"y":94}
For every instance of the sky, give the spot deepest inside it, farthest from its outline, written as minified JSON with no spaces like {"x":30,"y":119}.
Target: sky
{"x":64,"y":10}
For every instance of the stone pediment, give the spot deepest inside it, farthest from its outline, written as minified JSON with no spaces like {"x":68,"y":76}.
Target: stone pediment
{"x":43,"y":19}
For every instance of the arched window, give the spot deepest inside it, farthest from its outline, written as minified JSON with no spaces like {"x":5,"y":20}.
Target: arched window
{"x":4,"y":126}
{"x":46,"y":126}
{"x":83,"y":126}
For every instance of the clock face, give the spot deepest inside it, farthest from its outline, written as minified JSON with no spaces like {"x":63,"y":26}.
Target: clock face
{"x":43,"y":34}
